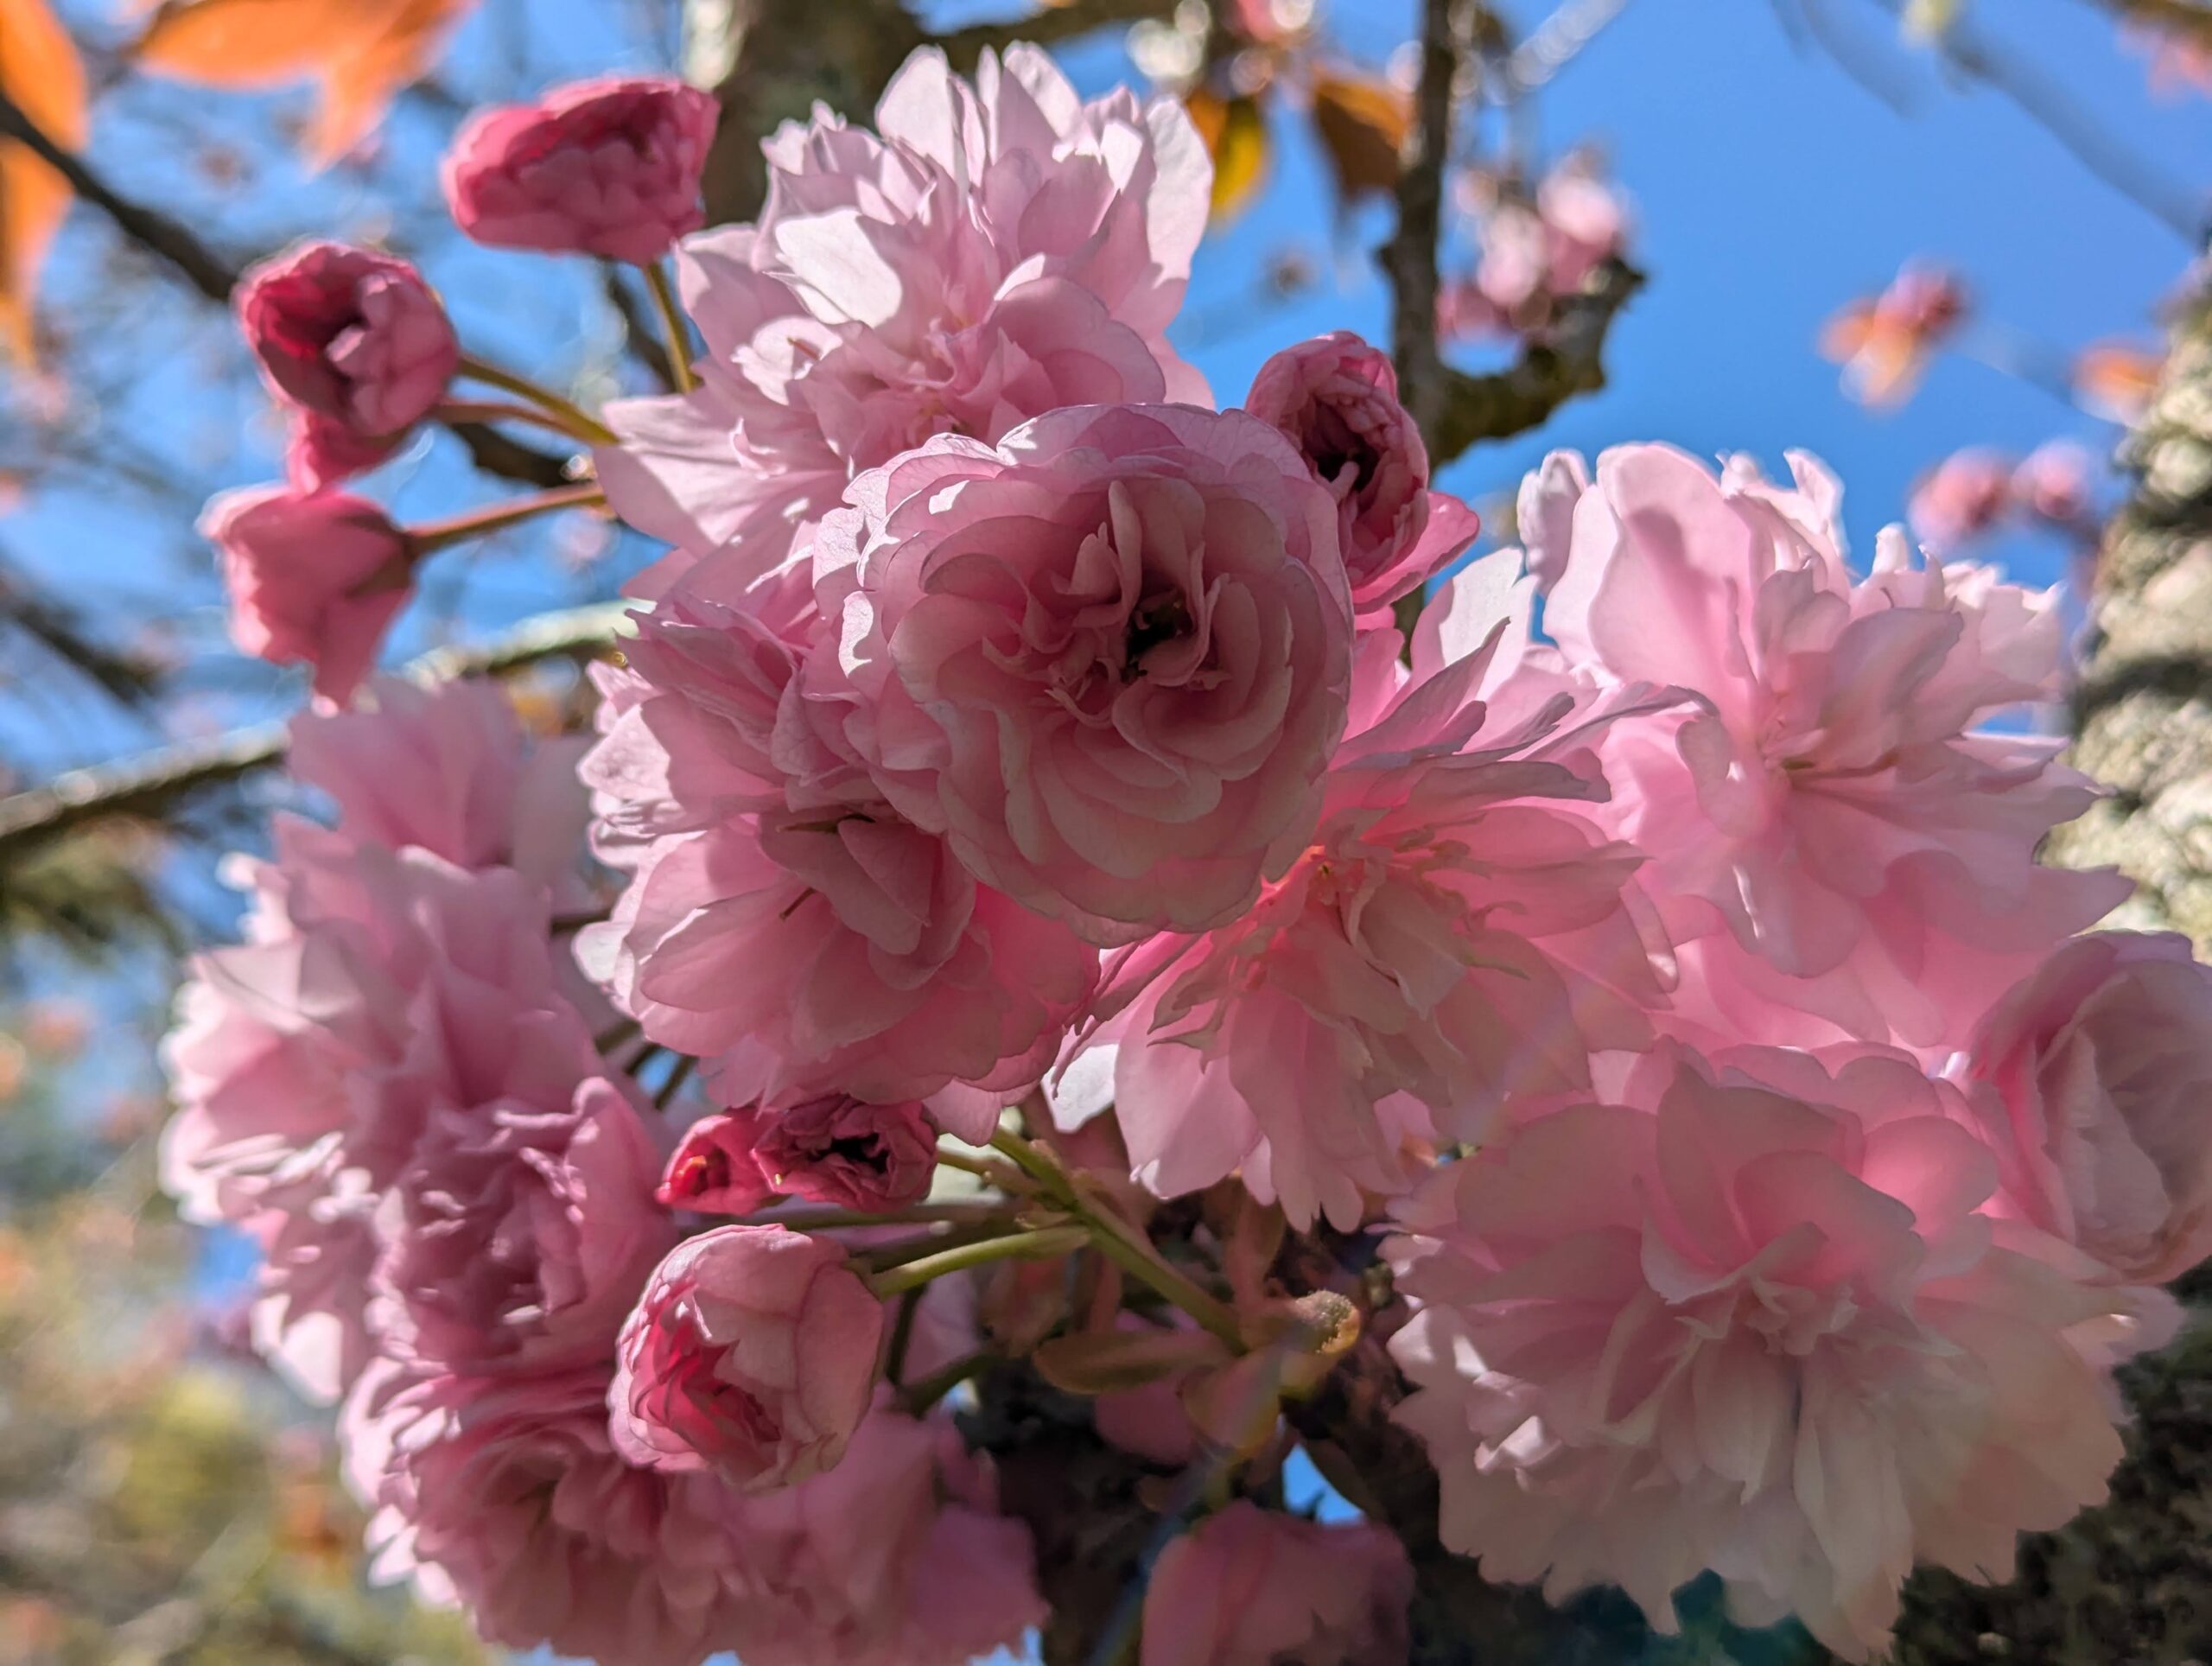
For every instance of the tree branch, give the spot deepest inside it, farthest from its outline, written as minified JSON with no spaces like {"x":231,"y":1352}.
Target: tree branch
{"x":1568,"y":358}
{"x":213,"y":278}
{"x":1410,"y":257}
{"x":1049,"y":26}
{"x":153,"y":784}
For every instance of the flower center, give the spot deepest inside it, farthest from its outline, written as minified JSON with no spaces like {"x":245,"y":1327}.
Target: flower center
{"x":1155,"y":623}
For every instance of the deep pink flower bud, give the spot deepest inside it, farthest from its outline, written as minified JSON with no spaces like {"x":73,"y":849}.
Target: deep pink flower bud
{"x":713,"y":1171}
{"x":838,"y":1150}
{"x":1336,"y":399}
{"x":608,"y":168}
{"x":751,"y":1352}
{"x":352,"y":336}
{"x":313,"y":577}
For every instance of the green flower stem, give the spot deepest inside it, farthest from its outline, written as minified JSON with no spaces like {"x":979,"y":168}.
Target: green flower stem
{"x":573,"y":418}
{"x":672,"y":321}
{"x":495,"y":518}
{"x":1044,"y":1246}
{"x":1118,"y":1242}
{"x":916,"y":1398}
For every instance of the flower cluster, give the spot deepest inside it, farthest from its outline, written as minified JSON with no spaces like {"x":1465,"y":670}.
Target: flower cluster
{"x":1015,"y":751}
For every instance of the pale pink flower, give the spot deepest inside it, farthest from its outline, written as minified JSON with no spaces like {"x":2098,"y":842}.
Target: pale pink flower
{"x":355,"y":341}
{"x":752,"y":1353}
{"x":507,"y":1497}
{"x":897,"y":1557}
{"x":313,"y":577}
{"x":1455,"y":932}
{"x":518,"y":1234}
{"x":1001,"y":251}
{"x":1535,"y":249}
{"x":1248,"y":1587}
{"x":1336,"y":399}
{"x":1750,"y":1322}
{"x":2056,"y":484}
{"x":1826,"y":804}
{"x":1106,"y":659}
{"x":784,"y":923}
{"x":1965,"y":497}
{"x":608,"y":168}
{"x":2095,"y":1072}
{"x":447,"y":768}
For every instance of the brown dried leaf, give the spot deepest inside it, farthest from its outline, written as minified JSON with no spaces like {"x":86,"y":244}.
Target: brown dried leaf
{"x":1363,"y":123}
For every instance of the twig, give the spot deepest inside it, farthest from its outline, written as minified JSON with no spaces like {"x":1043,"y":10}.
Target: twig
{"x":638,"y":329}
{"x":2046,"y":102}
{"x":149,"y":785}
{"x":1048,"y":26}
{"x":1410,"y":257}
{"x":1567,"y":359}
{"x":214,"y":278}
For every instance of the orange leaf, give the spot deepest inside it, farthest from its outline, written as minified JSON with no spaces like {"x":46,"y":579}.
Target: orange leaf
{"x":1235,"y":134}
{"x":40,"y":72}
{"x":362,"y":52}
{"x":1363,"y":124}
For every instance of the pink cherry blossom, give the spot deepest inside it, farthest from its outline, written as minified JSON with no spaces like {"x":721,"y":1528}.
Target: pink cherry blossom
{"x":355,"y":341}
{"x":1751,"y":1322}
{"x":1536,"y":249}
{"x":1827,"y":806}
{"x":608,"y":168}
{"x":447,"y":769}
{"x":897,"y":1557}
{"x":1454,"y":933}
{"x":750,"y":1353}
{"x":507,"y":1497}
{"x":1248,"y":1587}
{"x":783,"y":921}
{"x":1963,"y":498}
{"x":2095,"y":1072}
{"x":991,"y":253}
{"x":313,"y":577}
{"x":1884,"y":343}
{"x":306,"y":1061}
{"x":1336,"y":399}
{"x":2055,"y":484}
{"x":518,"y":1234}
{"x":1106,"y":659}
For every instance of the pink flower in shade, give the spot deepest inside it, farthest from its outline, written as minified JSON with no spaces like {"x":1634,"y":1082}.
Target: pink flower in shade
{"x":1454,"y":932}
{"x":447,"y":769}
{"x":507,"y":1497}
{"x":608,"y":168}
{"x":518,"y":1234}
{"x":2055,"y":484}
{"x":306,"y":1061}
{"x":1107,"y":659}
{"x":1963,"y":498}
{"x":355,"y":341}
{"x":1001,"y":251}
{"x":2093,"y":1075}
{"x":1884,"y":343}
{"x":1852,"y":856}
{"x":314,"y":578}
{"x":833,"y":1149}
{"x":1751,"y":1322}
{"x":1336,"y":399}
{"x":752,"y":1353}
{"x":1248,"y":1587}
{"x":897,"y":1557}
{"x":784,"y":922}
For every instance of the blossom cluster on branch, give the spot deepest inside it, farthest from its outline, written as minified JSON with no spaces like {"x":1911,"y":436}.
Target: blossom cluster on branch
{"x":1017,"y":805}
